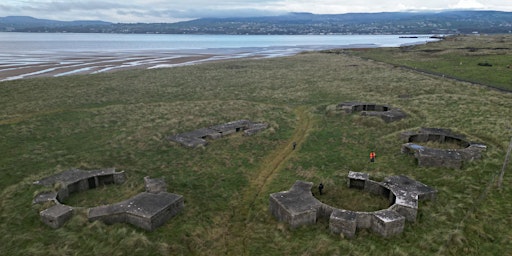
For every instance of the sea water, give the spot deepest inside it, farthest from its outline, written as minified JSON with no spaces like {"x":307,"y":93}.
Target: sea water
{"x":14,"y":43}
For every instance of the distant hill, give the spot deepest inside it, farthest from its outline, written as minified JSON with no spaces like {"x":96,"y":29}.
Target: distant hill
{"x":446,"y":22}
{"x":361,"y":23}
{"x":26,"y":23}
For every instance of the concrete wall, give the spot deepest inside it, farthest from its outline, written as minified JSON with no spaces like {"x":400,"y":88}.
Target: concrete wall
{"x":344,"y":222}
{"x":172,"y":210}
{"x":363,"y":219}
{"x":387,"y":223}
{"x":376,"y":188}
{"x":409,"y":213}
{"x":295,"y":219}
{"x":56,"y":215}
{"x":303,"y":218}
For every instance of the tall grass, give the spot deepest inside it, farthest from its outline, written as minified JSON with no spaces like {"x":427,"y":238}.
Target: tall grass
{"x":459,"y":57}
{"x":121,"y":120}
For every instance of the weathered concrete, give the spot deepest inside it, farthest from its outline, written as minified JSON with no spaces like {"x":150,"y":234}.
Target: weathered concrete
{"x":145,"y":210}
{"x":198,"y":137}
{"x":44,"y":197}
{"x":80,"y":180}
{"x":56,"y":215}
{"x":76,"y":180}
{"x":195,"y":138}
{"x":385,"y":112}
{"x":343,"y":222}
{"x":298,"y":206}
{"x":435,"y":157}
{"x":357,"y":179}
{"x":387,"y":223}
{"x":404,"y":183}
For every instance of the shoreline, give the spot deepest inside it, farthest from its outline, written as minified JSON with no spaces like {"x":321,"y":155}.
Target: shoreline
{"x":15,"y":66}
{"x":55,"y":64}
{"x":51,"y":65}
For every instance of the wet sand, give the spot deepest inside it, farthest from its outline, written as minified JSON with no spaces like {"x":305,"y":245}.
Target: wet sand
{"x":64,"y":63}
{"x":22,"y":66}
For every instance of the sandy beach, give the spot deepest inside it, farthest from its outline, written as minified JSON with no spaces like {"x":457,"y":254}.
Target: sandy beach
{"x":22,"y":66}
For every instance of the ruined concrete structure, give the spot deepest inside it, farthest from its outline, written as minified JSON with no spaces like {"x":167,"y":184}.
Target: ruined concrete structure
{"x":385,"y":112}
{"x":436,"y":157}
{"x":147,"y":210}
{"x":56,"y":215}
{"x":76,"y":180}
{"x":198,"y":137}
{"x":298,"y":206}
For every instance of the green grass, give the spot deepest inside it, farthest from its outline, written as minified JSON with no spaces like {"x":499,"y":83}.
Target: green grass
{"x":121,"y":120}
{"x":456,"y":57}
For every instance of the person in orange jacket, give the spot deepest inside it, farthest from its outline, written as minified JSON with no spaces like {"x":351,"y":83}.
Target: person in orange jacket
{"x":372,"y":156}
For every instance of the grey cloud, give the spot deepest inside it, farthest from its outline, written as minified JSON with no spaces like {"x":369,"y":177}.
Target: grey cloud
{"x":176,"y":10}
{"x":82,"y":6}
{"x":196,"y":13}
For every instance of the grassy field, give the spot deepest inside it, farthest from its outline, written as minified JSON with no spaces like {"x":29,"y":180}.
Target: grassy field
{"x":121,"y":119}
{"x":479,"y":59}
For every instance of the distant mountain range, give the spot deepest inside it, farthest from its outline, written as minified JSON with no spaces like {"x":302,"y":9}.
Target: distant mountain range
{"x":446,"y":22}
{"x":26,"y":22}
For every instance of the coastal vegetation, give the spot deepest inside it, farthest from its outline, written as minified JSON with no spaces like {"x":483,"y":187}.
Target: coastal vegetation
{"x":478,"y":59}
{"x":122,"y":119}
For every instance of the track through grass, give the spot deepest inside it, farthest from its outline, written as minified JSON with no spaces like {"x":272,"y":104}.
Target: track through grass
{"x":247,"y":207}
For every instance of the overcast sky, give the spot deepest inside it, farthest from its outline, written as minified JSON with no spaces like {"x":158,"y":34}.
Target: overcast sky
{"x":178,"y":10}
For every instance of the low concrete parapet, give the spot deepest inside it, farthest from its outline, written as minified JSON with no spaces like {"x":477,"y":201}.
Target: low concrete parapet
{"x":387,"y":223}
{"x":296,"y":206}
{"x":254,"y":128}
{"x":44,"y":197}
{"x":385,"y":112}
{"x":56,"y":215}
{"x":437,"y":157}
{"x":198,"y":137}
{"x":343,"y":222}
{"x":76,"y":180}
{"x":145,"y":210}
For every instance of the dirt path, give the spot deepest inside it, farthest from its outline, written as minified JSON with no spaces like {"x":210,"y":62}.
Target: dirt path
{"x":257,"y":188}
{"x":276,"y":160}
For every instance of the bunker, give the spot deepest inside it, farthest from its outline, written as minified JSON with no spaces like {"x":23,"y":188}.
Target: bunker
{"x":385,"y":112}
{"x":299,"y":207}
{"x":198,"y":137}
{"x":147,"y":210}
{"x":453,"y":158}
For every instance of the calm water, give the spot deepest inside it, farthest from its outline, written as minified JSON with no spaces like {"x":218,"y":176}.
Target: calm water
{"x":15,"y":43}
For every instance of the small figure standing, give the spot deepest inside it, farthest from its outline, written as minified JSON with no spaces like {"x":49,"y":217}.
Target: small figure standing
{"x":294,"y":144}
{"x":320,"y":188}
{"x":372,"y":156}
